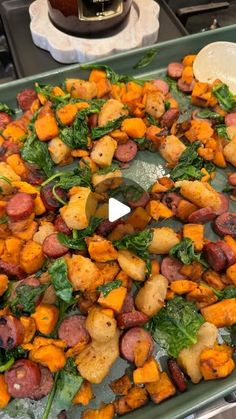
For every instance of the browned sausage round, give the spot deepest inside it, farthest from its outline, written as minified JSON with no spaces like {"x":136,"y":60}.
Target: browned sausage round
{"x":161,"y":85}
{"x":11,"y":332}
{"x":49,"y":200}
{"x":170,"y":268}
{"x":226,"y":224}
{"x":175,"y":70}
{"x":171,"y":200}
{"x":34,"y":176}
{"x":228,"y":252}
{"x":93,"y":120}
{"x":72,"y":330}
{"x":23,"y":378}
{"x":5,"y":119}
{"x":126,"y":152}
{"x":202,"y":216}
{"x":9,"y":148}
{"x":53,"y":248}
{"x":20,"y":206}
{"x":177,"y":375}
{"x":215,"y":256}
{"x":131,"y":319}
{"x":61,"y":226}
{"x":45,"y":386}
{"x":128,"y":305}
{"x":230,"y":119}
{"x":130,"y":339}
{"x":170,"y":117}
{"x":141,"y":202}
{"x":26,"y":98}
{"x":106,"y":227}
{"x":232,"y":179}
{"x":224,"y":205}
{"x":11,"y":270}
{"x":185,"y":87}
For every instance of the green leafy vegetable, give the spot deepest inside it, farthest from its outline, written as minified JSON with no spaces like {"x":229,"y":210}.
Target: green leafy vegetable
{"x":147,"y":58}
{"x":228,"y":292}
{"x":26,"y":299}
{"x":98,"y":132}
{"x":185,"y":252}
{"x":4,"y":219}
{"x":152,"y":120}
{"x":225,"y":97}
{"x":190,"y":164}
{"x":111,"y":74}
{"x":137,"y":243}
{"x":228,"y":189}
{"x":51,"y":397}
{"x":145,"y":144}
{"x":7,"y":365}
{"x":112,"y":168}
{"x":47,"y":91}
{"x":222,"y":131}
{"x":208,"y":114}
{"x":175,"y":327}
{"x":110,"y":286}
{"x":6,"y":108}
{"x":60,"y":281}
{"x":8,"y":357}
{"x":167,"y":105}
{"x":36,"y":152}
{"x":77,"y":241}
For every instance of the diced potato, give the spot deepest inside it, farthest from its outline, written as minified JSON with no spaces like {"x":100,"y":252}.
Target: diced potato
{"x":111,"y":110}
{"x":59,"y":151}
{"x":81,"y":89}
{"x":103,"y":151}
{"x":155,"y":104}
{"x":100,"y":326}
{"x":200,"y":193}
{"x":151,"y":297}
{"x":163,"y":240}
{"x":230,"y":152}
{"x":83,"y":273}
{"x":131,"y":264}
{"x":7,"y":172}
{"x":44,"y":230}
{"x":111,"y":180}
{"x":81,"y":207}
{"x":171,"y":149}
{"x":100,"y":249}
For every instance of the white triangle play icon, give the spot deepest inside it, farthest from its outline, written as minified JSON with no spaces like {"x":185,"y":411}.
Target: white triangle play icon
{"x":117,"y":210}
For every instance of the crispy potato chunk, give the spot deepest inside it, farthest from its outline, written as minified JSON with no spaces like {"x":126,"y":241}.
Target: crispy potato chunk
{"x":171,"y":149}
{"x":131,"y":264}
{"x":150,"y":299}
{"x":163,"y":240}
{"x":83,"y":273}
{"x":111,"y":110}
{"x":103,"y":151}
{"x":81,"y":207}
{"x":100,"y":326}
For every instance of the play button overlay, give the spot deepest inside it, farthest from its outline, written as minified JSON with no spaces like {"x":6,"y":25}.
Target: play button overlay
{"x":117,"y":210}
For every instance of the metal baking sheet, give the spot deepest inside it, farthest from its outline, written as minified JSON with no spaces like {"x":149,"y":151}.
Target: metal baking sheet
{"x":150,"y":166}
{"x":29,"y":59}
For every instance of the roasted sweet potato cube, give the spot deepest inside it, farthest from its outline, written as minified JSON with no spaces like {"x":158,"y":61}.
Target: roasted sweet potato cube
{"x":161,"y":389}
{"x":105,"y":412}
{"x":121,"y":386}
{"x":195,"y":232}
{"x":84,"y":395}
{"x":221,"y":314}
{"x":148,"y":373}
{"x":141,"y":352}
{"x":46,"y":128}
{"x":100,"y":249}
{"x":139,"y":218}
{"x":213,"y":279}
{"x":216,"y":362}
{"x":185,"y":209}
{"x":135,"y":398}
{"x":183,"y":286}
{"x":67,"y":114}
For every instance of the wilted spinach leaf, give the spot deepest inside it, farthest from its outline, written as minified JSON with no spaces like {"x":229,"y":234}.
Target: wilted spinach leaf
{"x":36,"y":152}
{"x":47,"y":91}
{"x":110,"y":286}
{"x":225,"y":97}
{"x":227,"y":292}
{"x":137,"y":243}
{"x":26,"y":299}
{"x":147,"y":58}
{"x":112,"y":168}
{"x":175,"y":327}
{"x":8,"y":357}
{"x":77,"y":242}
{"x":222,"y":131}
{"x":111,"y":74}
{"x":7,"y":109}
{"x":208,"y":114}
{"x":98,"y":132}
{"x":185,"y":252}
{"x":152,"y":120}
{"x":60,"y":281}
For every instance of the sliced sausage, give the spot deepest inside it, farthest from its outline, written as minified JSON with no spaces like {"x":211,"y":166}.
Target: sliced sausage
{"x":26,"y":98}
{"x":23,"y":378}
{"x":224,"y":205}
{"x":141,"y":202}
{"x":175,"y":70}
{"x":62,"y":415}
{"x":126,"y":152}
{"x":232,"y":179}
{"x":161,"y":85}
{"x":11,"y":332}
{"x":172,"y":200}
{"x":11,"y":270}
{"x":185,"y":87}
{"x":93,"y":120}
{"x":177,"y":375}
{"x":131,"y":319}
{"x":53,"y":248}
{"x":228,"y":252}
{"x":128,"y":305}
{"x":215,"y":256}
{"x":5,"y":119}
{"x":31,"y":281}
{"x":49,"y":200}
{"x":225,"y":224}
{"x":170,"y":268}
{"x":202,"y":216}
{"x":230,"y":119}
{"x":45,"y":385}
{"x":131,"y":338}
{"x":72,"y":330}
{"x":170,"y":117}
{"x":20,"y":206}
{"x":61,"y":226}
{"x":35,"y":177}
{"x":106,"y":227}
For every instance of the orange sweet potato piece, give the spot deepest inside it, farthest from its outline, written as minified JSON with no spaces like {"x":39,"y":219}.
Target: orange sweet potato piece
{"x":155,"y":269}
{"x":199,"y":130}
{"x":67,"y":114}
{"x":193,"y":271}
{"x":219,"y":159}
{"x":166,"y":181}
{"x":170,"y":295}
{"x":114,"y":300}
{"x":139,"y":218}
{"x":46,"y":128}
{"x":206,"y":153}
{"x":120,"y":231}
{"x":148,"y":373}
{"x":103,"y":87}
{"x":28,"y":233}
{"x":221,"y":314}
{"x":188,"y":60}
{"x":50,"y":356}
{"x":3,"y":284}
{"x":84,"y":395}
{"x":17,"y":165}
{"x":29,"y":328}
{"x":97,"y":75}
{"x":105,"y":412}
{"x":157,"y":209}
{"x":231,"y":242}
{"x":216,"y":362}
{"x":31,"y":257}
{"x":161,"y":389}
{"x":45,"y":317}
{"x":12,"y":250}
{"x":187,"y":74}
{"x":231,"y":273}
{"x":13,"y":132}
{"x":125,"y":279}
{"x":134,"y":127}
{"x":100,"y":249}
{"x":151,"y":134}
{"x":135,"y":398}
{"x":158,"y":188}
{"x":121,"y":386}
{"x":213,"y":279}
{"x":195,"y":232}
{"x":141,"y":352}
{"x":185,"y":209}
{"x":202,"y":296}
{"x":4,"y":393}
{"x":183,"y":286}
{"x":108,"y":270}
{"x":120,"y":136}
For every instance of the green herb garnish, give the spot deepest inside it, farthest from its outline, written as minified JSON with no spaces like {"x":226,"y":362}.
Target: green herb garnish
{"x":185,"y":252}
